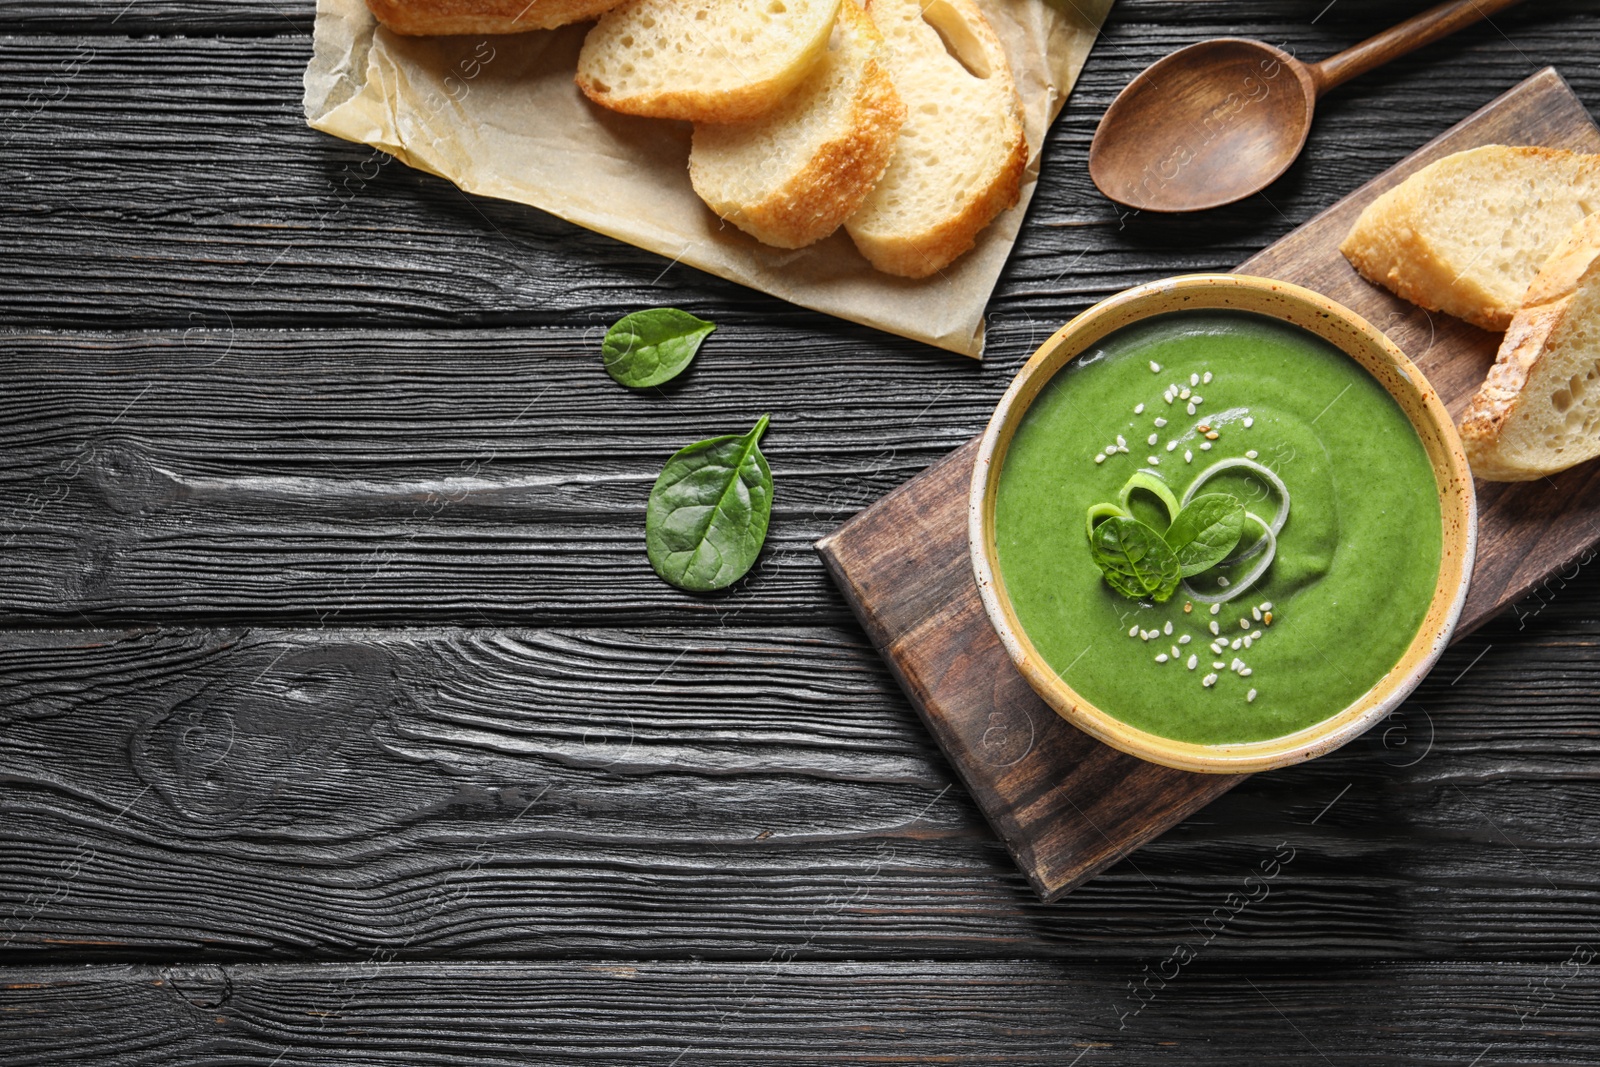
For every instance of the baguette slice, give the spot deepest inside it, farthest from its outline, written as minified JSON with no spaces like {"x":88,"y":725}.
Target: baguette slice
{"x":1467,"y":234}
{"x":703,"y":60}
{"x":791,"y":178}
{"x":959,"y":158}
{"x":444,"y":17}
{"x":1539,"y":410}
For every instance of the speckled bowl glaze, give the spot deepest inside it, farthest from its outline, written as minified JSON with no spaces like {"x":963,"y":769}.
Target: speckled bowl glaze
{"x":1351,"y":334}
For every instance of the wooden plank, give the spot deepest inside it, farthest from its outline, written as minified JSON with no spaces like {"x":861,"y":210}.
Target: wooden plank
{"x":344,"y":794}
{"x":590,"y":1011}
{"x":1066,"y":805}
{"x":453,"y":475}
{"x":139,"y":167}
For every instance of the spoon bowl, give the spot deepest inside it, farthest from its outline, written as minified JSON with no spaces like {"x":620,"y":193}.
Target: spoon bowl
{"x":1206,"y":126}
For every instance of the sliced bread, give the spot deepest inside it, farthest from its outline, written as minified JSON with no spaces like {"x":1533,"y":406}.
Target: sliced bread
{"x":1467,"y":234}
{"x":1539,"y":410}
{"x":703,"y":60}
{"x":428,"y":17}
{"x":794,"y":176}
{"x":959,"y":159}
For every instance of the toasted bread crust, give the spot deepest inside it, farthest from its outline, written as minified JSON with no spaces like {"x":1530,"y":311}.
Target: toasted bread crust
{"x":1500,"y":401}
{"x":924,"y":253}
{"x":447,"y":17}
{"x":742,"y":103}
{"x":816,"y":200}
{"x":1387,"y":249}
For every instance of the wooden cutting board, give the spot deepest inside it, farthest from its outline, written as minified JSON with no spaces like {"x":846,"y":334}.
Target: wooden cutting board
{"x":1064,"y":804}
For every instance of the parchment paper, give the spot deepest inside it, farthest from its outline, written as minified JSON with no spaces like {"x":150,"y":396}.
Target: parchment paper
{"x":501,"y":117}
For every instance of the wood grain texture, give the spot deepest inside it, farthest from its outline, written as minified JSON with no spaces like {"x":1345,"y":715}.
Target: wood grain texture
{"x":142,"y":166}
{"x":638,"y":1012}
{"x":462,"y":476}
{"x":334,"y":794}
{"x":1066,"y":805}
{"x":159,"y":178}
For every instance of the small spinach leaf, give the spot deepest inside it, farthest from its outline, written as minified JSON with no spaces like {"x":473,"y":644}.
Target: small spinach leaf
{"x":1137,"y":563}
{"x":709,"y":510}
{"x":1205,"y":531}
{"x":653,"y":346}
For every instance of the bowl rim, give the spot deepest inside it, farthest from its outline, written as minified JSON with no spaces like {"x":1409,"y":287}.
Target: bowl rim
{"x":1279,"y":300}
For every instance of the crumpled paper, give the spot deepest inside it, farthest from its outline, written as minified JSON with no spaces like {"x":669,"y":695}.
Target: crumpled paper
{"x":502,"y":117}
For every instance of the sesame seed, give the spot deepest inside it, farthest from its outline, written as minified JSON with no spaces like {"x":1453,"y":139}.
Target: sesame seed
{"x":1245,"y":672}
{"x":1154,"y":461}
{"x":1205,"y":446}
{"x":1152,"y":439}
{"x":1190,"y":408}
{"x":1244,"y":624}
{"x":1252,"y":454}
{"x":1203,"y":428}
{"x":1194,"y":379}
{"x":1209,"y":680}
{"x":1218,"y":664}
{"x":1160,"y":423}
{"x":1183,"y":394}
{"x":1236,"y":664}
{"x":1238,"y":643}
{"x":1101,"y":458}
{"x":1161,"y":658}
{"x":1124,"y":448}
{"x":1188,"y":606}
{"x":1215,"y":629}
{"x":1188,"y":457}
{"x":1155,"y":368}
{"x":1249,"y":421}
{"x":1133,"y":632}
{"x":1212,"y":435}
{"x":1215,"y":608}
{"x":1197,"y":399}
{"x":1167,"y":629}
{"x":1255,"y":635}
{"x":1110,"y":449}
{"x":1122,"y":442}
{"x":1171,"y":445}
{"x":1266,"y":617}
{"x":1250,"y":697}
{"x":1255,"y":613}
{"x":1224,"y":582}
{"x":1145,"y":635}
{"x":1218,"y":647}
{"x":1194,"y":661}
{"x":1138,"y":409}
{"x":1175,"y":653}
{"x":1185,"y":639}
{"x":1266,"y":605}
{"x":1168,"y":397}
{"x":1248,"y":640}
{"x":1207,"y":379}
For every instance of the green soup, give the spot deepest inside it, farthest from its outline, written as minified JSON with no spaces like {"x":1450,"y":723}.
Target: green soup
{"x":1357,"y":557}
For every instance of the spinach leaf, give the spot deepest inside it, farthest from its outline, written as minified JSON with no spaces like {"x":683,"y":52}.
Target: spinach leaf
{"x":1205,"y":531}
{"x":709,"y":510}
{"x":1136,"y":561}
{"x":654,"y":346}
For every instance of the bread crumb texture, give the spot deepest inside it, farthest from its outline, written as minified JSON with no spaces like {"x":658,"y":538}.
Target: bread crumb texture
{"x":791,"y":178}
{"x":1467,"y":234}
{"x":705,"y":60}
{"x":1538,"y":412}
{"x":959,"y":158}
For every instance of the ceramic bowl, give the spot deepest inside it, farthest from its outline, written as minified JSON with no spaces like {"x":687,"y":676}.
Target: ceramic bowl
{"x":1354,"y":336}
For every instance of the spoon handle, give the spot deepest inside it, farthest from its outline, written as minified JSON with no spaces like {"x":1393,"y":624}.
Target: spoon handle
{"x":1432,"y":24}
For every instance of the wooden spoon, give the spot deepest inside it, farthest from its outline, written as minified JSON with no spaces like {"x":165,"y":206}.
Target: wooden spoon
{"x":1220,"y":120}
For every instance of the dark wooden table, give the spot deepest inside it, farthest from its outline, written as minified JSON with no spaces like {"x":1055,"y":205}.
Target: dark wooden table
{"x":342,"y":719}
